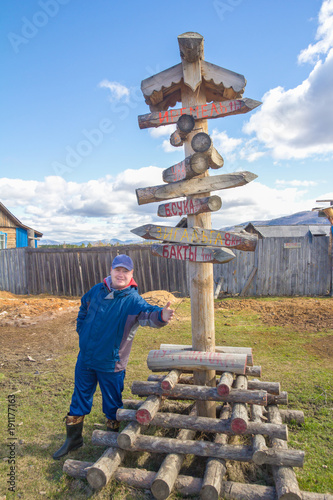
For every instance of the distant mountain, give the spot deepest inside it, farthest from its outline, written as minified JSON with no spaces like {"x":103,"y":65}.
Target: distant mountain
{"x":112,"y":241}
{"x":300,"y":218}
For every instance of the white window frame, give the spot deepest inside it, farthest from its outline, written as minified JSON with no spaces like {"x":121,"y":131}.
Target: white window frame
{"x":2,"y":241}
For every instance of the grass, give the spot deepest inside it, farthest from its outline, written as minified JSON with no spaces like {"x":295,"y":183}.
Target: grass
{"x":42,"y":400}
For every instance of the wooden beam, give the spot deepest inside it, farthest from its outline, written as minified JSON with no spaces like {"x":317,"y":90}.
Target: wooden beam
{"x":166,"y":477}
{"x":199,"y":112}
{"x":284,"y":477}
{"x":239,"y":418}
{"x":186,"y":169}
{"x":218,"y":348}
{"x":192,"y":206}
{"x":205,"y":424}
{"x":196,"y":360}
{"x":148,"y":410}
{"x":193,"y":253}
{"x":100,"y":473}
{"x":199,"y":392}
{"x":197,"y":185}
{"x":216,"y":468}
{"x":187,"y":485}
{"x":198,"y":236}
{"x":293,"y":458}
{"x":191,"y":53}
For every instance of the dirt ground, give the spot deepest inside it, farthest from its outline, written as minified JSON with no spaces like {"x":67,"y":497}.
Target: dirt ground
{"x":36,"y":328}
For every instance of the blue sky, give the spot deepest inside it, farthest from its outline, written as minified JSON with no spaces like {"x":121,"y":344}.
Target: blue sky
{"x":72,"y":153}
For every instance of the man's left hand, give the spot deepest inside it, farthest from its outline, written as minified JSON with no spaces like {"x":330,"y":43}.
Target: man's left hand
{"x":167,"y":313}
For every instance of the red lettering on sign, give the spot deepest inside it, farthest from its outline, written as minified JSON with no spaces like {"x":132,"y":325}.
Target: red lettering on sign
{"x":182,"y":110}
{"x":173,"y":252}
{"x":213,"y":108}
{"x":164,"y":117}
{"x":203,"y":110}
{"x":173,"y":113}
{"x":179,"y":253}
{"x":165,"y":252}
{"x":223,"y":108}
{"x":167,"y":210}
{"x":194,"y":111}
{"x":227,"y":239}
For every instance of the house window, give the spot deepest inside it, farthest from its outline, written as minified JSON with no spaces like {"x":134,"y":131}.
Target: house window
{"x":3,"y":240}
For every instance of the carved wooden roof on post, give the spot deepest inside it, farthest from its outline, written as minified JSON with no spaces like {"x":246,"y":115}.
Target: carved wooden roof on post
{"x":163,"y":90}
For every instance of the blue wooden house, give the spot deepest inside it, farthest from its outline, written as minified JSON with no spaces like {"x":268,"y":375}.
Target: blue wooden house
{"x":14,"y":234}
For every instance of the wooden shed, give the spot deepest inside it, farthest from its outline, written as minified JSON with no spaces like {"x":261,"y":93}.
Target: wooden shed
{"x":14,"y":234}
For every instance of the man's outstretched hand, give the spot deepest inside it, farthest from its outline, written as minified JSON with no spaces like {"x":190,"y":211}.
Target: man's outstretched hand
{"x":167,"y":313}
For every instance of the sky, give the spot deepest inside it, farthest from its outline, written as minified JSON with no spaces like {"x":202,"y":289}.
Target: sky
{"x":72,"y":154}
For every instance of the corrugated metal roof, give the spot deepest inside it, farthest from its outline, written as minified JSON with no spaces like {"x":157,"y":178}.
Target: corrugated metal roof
{"x":298,"y":231}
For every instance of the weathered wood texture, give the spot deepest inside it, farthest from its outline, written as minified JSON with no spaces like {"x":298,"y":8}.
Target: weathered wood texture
{"x":197,"y":236}
{"x":100,"y":473}
{"x":186,"y":169}
{"x":193,"y":206}
{"x":284,"y":477}
{"x":187,"y":485}
{"x":73,"y":271}
{"x":218,"y":348}
{"x":161,"y":359}
{"x":195,"y":186}
{"x":199,"y":112}
{"x":241,"y":453}
{"x":193,"y":253}
{"x":167,"y":474}
{"x":199,"y":392}
{"x":216,"y":468}
{"x":204,"y":424}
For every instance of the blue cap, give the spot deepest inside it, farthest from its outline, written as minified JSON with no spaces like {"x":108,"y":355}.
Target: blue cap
{"x":123,"y":261}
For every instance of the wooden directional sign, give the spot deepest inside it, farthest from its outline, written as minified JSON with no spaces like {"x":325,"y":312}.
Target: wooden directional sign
{"x":194,"y":253}
{"x":186,"y":169}
{"x":193,"y":186}
{"x":192,"y":206}
{"x":198,"y":236}
{"x":199,"y":112}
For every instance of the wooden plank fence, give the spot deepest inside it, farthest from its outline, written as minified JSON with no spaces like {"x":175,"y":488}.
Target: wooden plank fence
{"x":276,"y":268}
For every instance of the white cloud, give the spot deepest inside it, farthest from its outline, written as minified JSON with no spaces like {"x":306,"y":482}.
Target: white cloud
{"x":256,"y":201}
{"x":225,"y":145}
{"x":107,"y":207}
{"x":324,"y":35}
{"x":296,"y":123}
{"x":295,"y":183}
{"x":117,"y":90}
{"x":162,"y":131}
{"x":168,"y":148}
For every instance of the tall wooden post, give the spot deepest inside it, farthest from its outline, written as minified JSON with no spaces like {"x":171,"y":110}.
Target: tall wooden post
{"x":200,"y":274}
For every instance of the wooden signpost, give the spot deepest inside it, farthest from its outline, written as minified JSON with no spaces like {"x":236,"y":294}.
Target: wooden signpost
{"x":194,"y":253}
{"x":192,"y":206}
{"x":195,"y":83}
{"x":199,"y":111}
{"x":198,"y":236}
{"x":195,"y":186}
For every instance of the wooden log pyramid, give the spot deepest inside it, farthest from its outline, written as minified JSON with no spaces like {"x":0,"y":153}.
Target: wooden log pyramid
{"x":249,"y":408}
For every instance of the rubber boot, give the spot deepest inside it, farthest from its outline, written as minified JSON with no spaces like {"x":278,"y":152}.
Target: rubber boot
{"x":112,"y":425}
{"x":74,"y":440}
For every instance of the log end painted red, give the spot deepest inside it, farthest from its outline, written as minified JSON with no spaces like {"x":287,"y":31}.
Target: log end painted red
{"x":143,"y":417}
{"x":223,"y":390}
{"x":238,"y":426}
{"x":165,"y":384}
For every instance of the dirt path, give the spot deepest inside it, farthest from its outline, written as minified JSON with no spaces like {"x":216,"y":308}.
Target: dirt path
{"x":34,"y":329}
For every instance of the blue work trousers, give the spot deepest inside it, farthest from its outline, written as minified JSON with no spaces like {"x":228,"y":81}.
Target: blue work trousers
{"x":111,"y":385}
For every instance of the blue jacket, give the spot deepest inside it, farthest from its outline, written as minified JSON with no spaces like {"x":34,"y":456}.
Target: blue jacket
{"x":107,"y":323}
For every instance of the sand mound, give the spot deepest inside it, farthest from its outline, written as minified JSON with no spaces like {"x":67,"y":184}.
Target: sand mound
{"x":160,"y":298}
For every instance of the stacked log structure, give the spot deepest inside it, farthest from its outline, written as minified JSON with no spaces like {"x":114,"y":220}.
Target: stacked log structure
{"x":208,"y":397}
{"x":247,"y":408}
{"x":206,"y":92}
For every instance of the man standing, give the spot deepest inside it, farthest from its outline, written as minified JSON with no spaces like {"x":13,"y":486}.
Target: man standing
{"x":109,"y":316}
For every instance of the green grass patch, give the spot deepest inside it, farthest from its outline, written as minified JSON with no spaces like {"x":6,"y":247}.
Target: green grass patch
{"x":42,"y":396}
